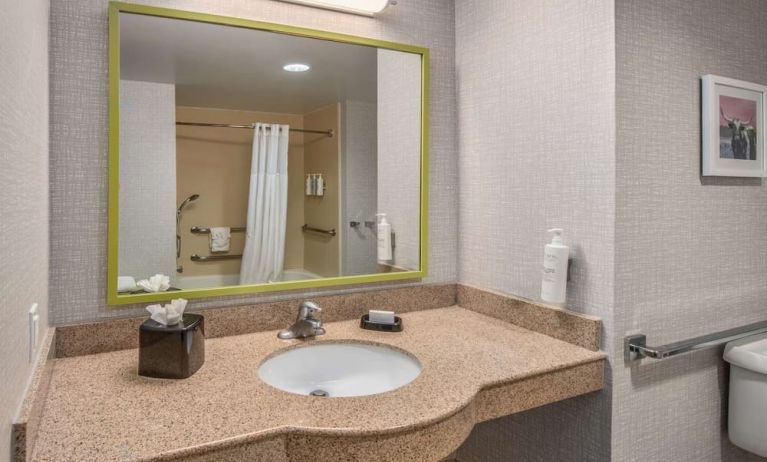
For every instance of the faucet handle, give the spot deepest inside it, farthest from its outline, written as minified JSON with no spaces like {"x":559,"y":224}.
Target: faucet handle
{"x":308,"y":309}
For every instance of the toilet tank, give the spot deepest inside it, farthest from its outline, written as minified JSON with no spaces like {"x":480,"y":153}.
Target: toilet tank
{"x":747,"y":414}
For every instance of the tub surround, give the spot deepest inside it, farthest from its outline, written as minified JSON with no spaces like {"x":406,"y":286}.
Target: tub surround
{"x":474,"y":369}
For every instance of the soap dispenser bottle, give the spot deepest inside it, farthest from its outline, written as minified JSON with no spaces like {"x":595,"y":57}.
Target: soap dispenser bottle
{"x":555,"y":260}
{"x":383,"y":232}
{"x":320,"y":185}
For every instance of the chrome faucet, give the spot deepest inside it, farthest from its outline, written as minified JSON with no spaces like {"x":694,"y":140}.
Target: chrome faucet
{"x":306,"y":324}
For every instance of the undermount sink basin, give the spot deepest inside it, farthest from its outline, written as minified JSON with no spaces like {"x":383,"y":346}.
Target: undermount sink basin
{"x":339,"y":369}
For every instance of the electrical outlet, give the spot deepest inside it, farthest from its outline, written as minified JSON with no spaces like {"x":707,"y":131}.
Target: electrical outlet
{"x":34,"y":328}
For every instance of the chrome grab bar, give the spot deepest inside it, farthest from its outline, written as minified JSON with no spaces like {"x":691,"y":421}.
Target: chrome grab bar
{"x":635,"y":346}
{"x":196,"y":257}
{"x":329,"y":232}
{"x":198,"y":230}
{"x":328,"y":132}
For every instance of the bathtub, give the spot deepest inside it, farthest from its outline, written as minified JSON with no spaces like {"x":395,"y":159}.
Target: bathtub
{"x":207,"y":281}
{"x":223,"y":280}
{"x":299,"y":274}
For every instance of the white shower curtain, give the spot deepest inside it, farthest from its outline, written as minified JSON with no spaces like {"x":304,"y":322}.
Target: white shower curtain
{"x":264,"y":252}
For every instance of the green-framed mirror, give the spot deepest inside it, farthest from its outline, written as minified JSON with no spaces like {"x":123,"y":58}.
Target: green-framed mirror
{"x":251,"y":157}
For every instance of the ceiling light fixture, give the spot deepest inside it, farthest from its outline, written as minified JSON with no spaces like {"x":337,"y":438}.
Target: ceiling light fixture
{"x":296,"y":67}
{"x":363,"y":7}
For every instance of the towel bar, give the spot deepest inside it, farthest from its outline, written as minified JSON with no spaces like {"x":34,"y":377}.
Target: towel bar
{"x":329,"y":232}
{"x":198,"y":230}
{"x":635,"y":346}
{"x":196,"y":257}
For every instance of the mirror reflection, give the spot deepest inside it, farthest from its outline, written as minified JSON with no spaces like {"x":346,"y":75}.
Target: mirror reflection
{"x":253,"y":157}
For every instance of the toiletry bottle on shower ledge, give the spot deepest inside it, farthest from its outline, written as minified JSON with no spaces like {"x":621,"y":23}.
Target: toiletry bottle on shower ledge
{"x":555,"y":260}
{"x":320,"y":185}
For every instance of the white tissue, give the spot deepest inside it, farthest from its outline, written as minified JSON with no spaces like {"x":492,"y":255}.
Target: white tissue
{"x":126,"y":284}
{"x":170,"y":314}
{"x":157,"y":283}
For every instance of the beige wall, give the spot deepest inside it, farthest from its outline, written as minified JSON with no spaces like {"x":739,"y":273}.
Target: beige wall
{"x":215,"y":163}
{"x":321,"y":253}
{"x":23,"y":196}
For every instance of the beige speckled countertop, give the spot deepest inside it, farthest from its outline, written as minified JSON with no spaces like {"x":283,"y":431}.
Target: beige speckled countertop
{"x":474,"y":368}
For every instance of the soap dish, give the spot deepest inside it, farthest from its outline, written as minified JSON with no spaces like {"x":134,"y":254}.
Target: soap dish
{"x":365,"y":323}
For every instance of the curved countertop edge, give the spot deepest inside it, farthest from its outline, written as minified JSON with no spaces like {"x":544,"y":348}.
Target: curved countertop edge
{"x":491,"y":401}
{"x":428,"y":444}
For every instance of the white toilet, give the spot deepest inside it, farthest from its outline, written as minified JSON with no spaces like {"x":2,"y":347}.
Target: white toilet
{"x":747,"y":419}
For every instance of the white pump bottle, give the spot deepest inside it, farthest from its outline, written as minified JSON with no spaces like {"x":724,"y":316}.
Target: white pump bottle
{"x":555,"y":260}
{"x":383,"y":232}
{"x":320,"y":185}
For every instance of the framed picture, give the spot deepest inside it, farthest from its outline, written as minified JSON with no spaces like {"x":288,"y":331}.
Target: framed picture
{"x":733,"y":127}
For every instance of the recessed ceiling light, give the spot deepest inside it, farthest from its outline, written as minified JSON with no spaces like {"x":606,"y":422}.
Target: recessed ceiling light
{"x":364,"y":7}
{"x":296,"y":67}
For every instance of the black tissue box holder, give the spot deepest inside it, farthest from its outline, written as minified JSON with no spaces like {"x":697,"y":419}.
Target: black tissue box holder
{"x":171,"y":352}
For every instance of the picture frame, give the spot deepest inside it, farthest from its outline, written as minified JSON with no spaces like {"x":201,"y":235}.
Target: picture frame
{"x":733,"y":127}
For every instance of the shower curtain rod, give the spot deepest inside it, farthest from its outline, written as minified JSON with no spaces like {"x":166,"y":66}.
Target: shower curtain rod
{"x":328,"y":133}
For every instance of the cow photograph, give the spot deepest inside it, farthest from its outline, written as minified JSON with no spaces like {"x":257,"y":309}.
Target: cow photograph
{"x":732,"y":127}
{"x":737,"y":128}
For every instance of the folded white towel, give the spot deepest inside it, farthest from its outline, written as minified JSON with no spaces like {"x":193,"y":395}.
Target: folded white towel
{"x":157,"y":283}
{"x":220,"y":238}
{"x":126,"y":284}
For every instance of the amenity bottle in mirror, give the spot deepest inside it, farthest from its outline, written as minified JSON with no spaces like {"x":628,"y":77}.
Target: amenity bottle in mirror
{"x":383,"y":231}
{"x":287,"y":140}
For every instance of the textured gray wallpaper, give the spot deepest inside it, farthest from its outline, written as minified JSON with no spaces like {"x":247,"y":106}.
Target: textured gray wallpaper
{"x":360,"y":186}
{"x":79,"y":134}
{"x":536,"y":123}
{"x":23,"y":195}
{"x":536,"y":150}
{"x":147,"y":179}
{"x":399,"y":142}
{"x":691,"y":256}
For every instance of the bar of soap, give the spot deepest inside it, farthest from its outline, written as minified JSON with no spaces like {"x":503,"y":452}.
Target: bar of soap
{"x":381,"y":317}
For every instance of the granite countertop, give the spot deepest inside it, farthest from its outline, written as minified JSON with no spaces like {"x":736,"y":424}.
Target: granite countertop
{"x":474,"y":368}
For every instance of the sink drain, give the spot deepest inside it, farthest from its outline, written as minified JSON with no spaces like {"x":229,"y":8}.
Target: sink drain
{"x":319,"y":393}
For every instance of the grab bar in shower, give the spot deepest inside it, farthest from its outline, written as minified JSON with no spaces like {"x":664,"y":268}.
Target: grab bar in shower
{"x":198,"y":230}
{"x":329,"y":232}
{"x":635,"y":346}
{"x":196,"y":257}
